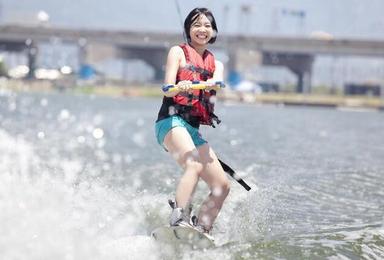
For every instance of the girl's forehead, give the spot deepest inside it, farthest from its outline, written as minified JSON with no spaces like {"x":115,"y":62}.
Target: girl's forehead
{"x":202,"y":19}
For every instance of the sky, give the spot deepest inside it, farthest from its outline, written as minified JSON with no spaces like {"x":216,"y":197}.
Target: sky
{"x":341,"y":18}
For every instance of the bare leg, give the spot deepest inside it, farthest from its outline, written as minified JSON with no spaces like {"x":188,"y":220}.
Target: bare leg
{"x":179,"y":143}
{"x":214,"y":175}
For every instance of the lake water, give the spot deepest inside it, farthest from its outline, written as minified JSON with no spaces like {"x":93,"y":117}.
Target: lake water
{"x":81,"y":177}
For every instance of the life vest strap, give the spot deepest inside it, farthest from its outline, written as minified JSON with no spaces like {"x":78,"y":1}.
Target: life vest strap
{"x":205,"y":74}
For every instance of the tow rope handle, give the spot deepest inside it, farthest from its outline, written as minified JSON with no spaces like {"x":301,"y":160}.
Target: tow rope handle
{"x":195,"y":85}
{"x":231,"y":172}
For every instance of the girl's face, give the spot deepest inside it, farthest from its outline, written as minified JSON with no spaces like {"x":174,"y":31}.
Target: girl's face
{"x":201,"y":31}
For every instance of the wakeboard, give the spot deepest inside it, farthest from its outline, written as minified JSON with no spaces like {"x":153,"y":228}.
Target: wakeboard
{"x":183,"y":235}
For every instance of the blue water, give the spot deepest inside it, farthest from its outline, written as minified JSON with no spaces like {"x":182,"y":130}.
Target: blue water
{"x":81,"y":177}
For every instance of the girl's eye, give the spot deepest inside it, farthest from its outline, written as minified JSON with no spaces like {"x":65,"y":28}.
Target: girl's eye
{"x":196,"y":25}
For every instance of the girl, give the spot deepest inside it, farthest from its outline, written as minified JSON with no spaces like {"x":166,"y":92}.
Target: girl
{"x":181,"y":114}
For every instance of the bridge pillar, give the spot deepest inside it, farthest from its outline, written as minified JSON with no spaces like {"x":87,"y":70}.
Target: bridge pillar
{"x":232,"y":61}
{"x":299,"y":64}
{"x":242,"y":59}
{"x":82,"y":52}
{"x":303,"y":81}
{"x":32,"y":51}
{"x":155,"y":57}
{"x":93,"y":53}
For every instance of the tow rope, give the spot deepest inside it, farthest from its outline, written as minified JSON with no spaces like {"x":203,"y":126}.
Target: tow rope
{"x":232,"y":173}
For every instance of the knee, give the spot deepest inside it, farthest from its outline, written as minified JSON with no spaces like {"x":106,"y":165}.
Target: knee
{"x":222,"y":189}
{"x":193,"y":166}
{"x":191,"y":162}
{"x":226,"y":187}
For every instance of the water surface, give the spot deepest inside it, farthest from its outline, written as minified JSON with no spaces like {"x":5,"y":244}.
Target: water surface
{"x":81,"y":177}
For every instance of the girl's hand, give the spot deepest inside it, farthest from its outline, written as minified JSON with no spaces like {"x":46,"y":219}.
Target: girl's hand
{"x":184,"y":85}
{"x":211,"y":84}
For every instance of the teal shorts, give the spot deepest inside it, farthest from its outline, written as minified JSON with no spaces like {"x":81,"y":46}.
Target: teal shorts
{"x":163,"y":126}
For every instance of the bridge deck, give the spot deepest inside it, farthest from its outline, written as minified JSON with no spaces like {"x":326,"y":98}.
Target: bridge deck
{"x":13,"y":33}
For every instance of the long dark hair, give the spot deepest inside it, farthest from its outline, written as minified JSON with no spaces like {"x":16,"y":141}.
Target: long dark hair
{"x":193,"y":16}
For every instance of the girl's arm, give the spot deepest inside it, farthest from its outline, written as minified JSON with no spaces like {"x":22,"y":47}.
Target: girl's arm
{"x":218,"y":75}
{"x":173,"y":63}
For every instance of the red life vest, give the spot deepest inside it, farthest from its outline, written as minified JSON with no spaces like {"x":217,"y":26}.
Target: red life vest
{"x":199,"y":104}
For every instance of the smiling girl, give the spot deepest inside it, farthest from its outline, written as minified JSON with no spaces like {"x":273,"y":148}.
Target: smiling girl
{"x":181,"y":114}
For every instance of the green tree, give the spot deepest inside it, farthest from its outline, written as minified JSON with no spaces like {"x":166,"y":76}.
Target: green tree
{"x":3,"y":69}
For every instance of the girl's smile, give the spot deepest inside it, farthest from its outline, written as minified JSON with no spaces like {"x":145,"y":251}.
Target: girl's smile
{"x":201,"y":31}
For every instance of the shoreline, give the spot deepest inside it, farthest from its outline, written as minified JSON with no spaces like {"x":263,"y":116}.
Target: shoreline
{"x":311,"y":100}
{"x":139,"y":90}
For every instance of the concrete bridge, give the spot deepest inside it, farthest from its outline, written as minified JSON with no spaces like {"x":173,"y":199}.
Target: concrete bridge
{"x":297,"y":54}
